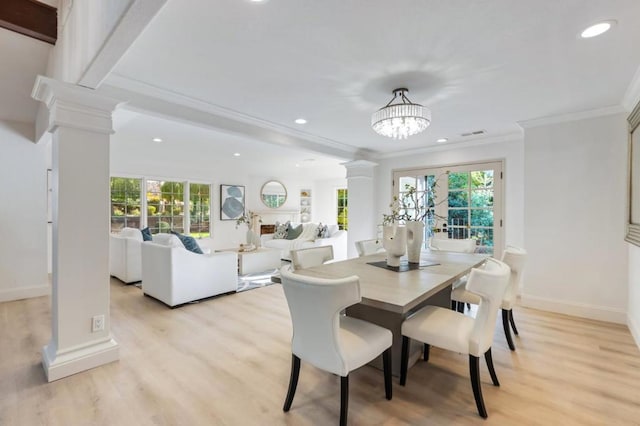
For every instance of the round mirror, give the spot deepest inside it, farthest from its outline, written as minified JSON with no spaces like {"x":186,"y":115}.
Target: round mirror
{"x":273,"y":194}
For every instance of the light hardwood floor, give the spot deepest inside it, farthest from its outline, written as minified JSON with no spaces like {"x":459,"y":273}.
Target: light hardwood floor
{"x":225,"y":361}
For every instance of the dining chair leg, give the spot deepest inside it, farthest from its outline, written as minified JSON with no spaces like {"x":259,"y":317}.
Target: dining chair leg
{"x":344,"y":399}
{"x":293,"y":382}
{"x":425,"y":354}
{"x":386,"y":365}
{"x":492,"y":371}
{"x":507,"y":330}
{"x":474,"y":372}
{"x":513,"y":323}
{"x":404,"y":361}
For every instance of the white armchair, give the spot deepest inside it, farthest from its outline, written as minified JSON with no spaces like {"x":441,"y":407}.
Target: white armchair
{"x":175,"y":275}
{"x":125,"y":262}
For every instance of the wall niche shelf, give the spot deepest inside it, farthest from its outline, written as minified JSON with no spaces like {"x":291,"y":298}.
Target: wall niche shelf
{"x":305,"y":205}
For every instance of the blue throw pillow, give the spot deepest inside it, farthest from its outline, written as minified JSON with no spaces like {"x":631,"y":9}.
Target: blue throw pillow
{"x":189,"y":243}
{"x":146,"y":234}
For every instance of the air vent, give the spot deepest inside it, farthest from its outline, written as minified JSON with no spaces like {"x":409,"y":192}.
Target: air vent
{"x":475,"y":132}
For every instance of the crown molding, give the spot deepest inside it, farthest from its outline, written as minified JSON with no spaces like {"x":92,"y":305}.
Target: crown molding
{"x":449,"y":146}
{"x":572,"y":116}
{"x":632,"y":95}
{"x":138,"y":87}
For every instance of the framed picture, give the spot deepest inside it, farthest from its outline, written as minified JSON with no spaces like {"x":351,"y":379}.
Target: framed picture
{"x":231,"y":202}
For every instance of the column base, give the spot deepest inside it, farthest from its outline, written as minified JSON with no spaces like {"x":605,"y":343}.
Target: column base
{"x":60,"y":364}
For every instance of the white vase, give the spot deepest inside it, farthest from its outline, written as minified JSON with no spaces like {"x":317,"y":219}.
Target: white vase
{"x":394,"y":241}
{"x":415,"y":239}
{"x":253,"y":238}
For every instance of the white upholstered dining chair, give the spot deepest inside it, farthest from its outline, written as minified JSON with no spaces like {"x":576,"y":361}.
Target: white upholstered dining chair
{"x":327,"y":340}
{"x":367,"y":247}
{"x":309,"y":257}
{"x":451,"y":330}
{"x":466,"y":245}
{"x":515,"y":257}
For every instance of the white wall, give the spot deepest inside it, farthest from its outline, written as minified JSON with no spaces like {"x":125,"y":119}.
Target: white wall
{"x":510,"y":151}
{"x":325,"y":203}
{"x":633,"y":304}
{"x":575,"y":198}
{"x":23,"y":219}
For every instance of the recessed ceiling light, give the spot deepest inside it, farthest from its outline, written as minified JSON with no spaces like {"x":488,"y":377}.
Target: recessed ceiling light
{"x":236,"y":154}
{"x":157,"y":140}
{"x":597,"y":29}
{"x":442,"y":140}
{"x":301,"y":121}
{"x":297,"y":165}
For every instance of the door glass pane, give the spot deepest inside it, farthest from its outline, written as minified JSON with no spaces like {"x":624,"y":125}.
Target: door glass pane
{"x":458,"y":217}
{"x":482,"y":217}
{"x":458,"y":180}
{"x":482,"y":179}
{"x":458,"y":199}
{"x":482,"y":198}
{"x":458,"y":233}
{"x":406,"y":183}
{"x":484,"y":237}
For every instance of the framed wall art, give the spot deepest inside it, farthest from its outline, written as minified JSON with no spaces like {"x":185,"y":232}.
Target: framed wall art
{"x":231,"y":202}
{"x":633,"y":221}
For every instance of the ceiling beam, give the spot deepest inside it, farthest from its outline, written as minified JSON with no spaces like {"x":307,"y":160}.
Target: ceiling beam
{"x":31,"y":18}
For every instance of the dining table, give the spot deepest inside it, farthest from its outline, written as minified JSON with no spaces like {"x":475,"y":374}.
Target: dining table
{"x":391,"y":294}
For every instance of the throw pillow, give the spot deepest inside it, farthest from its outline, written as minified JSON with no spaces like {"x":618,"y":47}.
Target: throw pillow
{"x":324,"y":232}
{"x":146,"y":234}
{"x":294,"y":232}
{"x":319,"y":230}
{"x":189,"y":243}
{"x":281,"y":231}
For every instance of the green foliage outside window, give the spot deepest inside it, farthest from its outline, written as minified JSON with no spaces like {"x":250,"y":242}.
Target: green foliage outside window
{"x":342,"y":209}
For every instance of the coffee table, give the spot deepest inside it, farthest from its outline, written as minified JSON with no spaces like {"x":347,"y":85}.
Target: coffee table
{"x":258,"y":260}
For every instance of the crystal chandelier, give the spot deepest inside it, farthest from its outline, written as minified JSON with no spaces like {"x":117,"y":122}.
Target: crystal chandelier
{"x":401,"y":119}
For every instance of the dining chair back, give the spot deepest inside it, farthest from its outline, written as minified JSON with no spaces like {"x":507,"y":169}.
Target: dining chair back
{"x":456,"y":332}
{"x":466,"y":245}
{"x":309,"y":257}
{"x":367,"y":247}
{"x":328,"y":340}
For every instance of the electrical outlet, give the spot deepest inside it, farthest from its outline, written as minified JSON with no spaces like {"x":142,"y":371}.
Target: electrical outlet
{"x":97,"y":323}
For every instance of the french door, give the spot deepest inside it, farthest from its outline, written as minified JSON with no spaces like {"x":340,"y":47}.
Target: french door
{"x":462,"y":201}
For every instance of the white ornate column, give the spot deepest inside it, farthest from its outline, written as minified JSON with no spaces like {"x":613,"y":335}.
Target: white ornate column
{"x":80,"y":124}
{"x":361,"y":203}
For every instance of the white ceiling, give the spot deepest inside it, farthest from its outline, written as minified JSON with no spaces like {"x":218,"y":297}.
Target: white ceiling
{"x":481,"y":64}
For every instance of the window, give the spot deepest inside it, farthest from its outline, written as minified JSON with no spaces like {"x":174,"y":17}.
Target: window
{"x":199,"y":202}
{"x":125,"y":203}
{"x":165,"y":206}
{"x":162,"y":210}
{"x":342,"y":209}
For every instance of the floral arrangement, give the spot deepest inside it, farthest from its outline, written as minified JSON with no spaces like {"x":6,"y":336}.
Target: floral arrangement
{"x":413,"y":206}
{"x":249,"y":219}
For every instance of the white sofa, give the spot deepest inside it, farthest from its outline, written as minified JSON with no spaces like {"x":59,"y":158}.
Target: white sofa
{"x":337,"y":239}
{"x":125,"y":261}
{"x":175,"y":275}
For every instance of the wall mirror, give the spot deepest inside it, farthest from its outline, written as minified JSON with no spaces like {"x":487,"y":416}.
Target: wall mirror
{"x":273,"y":194}
{"x":633,"y":227}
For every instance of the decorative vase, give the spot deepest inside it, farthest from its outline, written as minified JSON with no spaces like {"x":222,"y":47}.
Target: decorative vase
{"x":253,"y":238}
{"x":415,"y":239}
{"x":394,"y":241}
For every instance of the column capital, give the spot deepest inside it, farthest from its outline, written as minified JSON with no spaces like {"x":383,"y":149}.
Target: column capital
{"x":74,"y":106}
{"x":360,"y":168}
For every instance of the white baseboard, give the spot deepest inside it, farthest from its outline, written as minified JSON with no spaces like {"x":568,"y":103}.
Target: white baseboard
{"x":634,"y":327}
{"x":18,"y":293}
{"x":62,"y":363}
{"x":582,"y":310}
